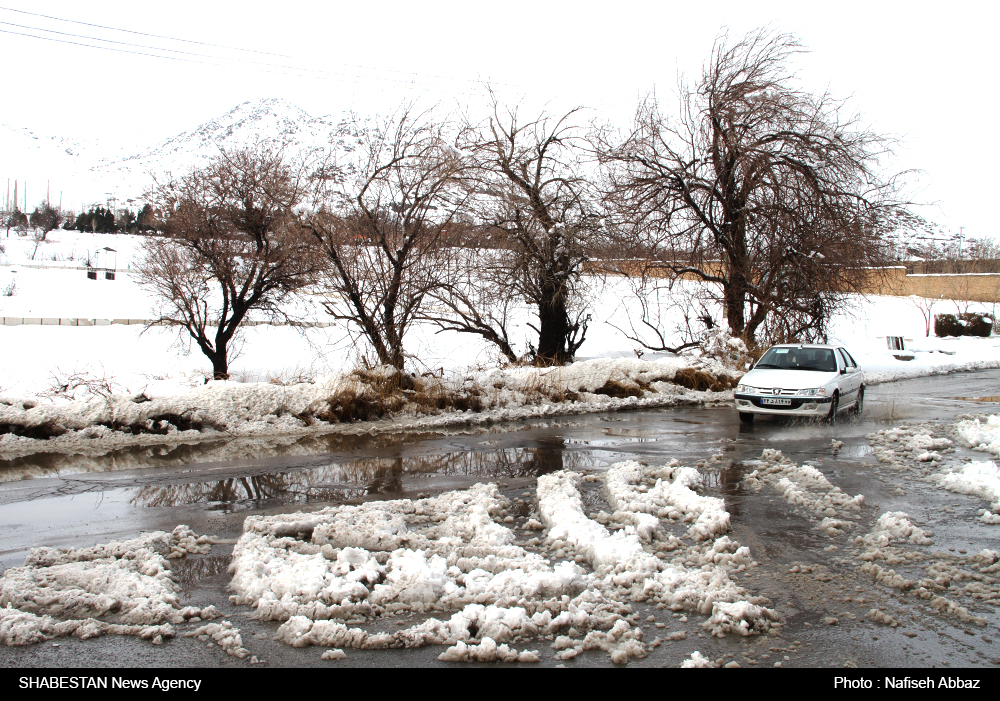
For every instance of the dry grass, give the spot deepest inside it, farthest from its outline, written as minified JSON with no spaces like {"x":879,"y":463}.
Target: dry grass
{"x":701,"y":381}
{"x":615,"y":389}
{"x":48,"y":429}
{"x":349,"y":406}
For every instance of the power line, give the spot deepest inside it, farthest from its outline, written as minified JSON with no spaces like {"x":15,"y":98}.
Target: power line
{"x":220,"y":46}
{"x":108,"y":41}
{"x":233,"y":63}
{"x":132,"y":31}
{"x":126,"y":51}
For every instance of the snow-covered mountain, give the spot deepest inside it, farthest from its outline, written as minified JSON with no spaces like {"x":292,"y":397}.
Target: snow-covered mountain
{"x":273,"y":121}
{"x":90,"y":173}
{"x":39,"y":160}
{"x":912,"y":237}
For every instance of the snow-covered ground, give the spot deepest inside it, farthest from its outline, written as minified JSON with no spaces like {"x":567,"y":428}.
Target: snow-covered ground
{"x":86,"y":379}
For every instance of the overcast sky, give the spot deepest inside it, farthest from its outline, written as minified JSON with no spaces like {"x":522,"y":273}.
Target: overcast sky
{"x":922,"y":72}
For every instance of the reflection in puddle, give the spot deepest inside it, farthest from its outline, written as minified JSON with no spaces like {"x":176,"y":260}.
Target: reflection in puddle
{"x":978,"y":399}
{"x":856,"y":451}
{"x":631,"y":433}
{"x":191,"y":571}
{"x":222,"y":451}
{"x":339,"y":482}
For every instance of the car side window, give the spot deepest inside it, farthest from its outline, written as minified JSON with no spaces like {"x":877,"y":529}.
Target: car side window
{"x":841,"y":361}
{"x":850,"y":358}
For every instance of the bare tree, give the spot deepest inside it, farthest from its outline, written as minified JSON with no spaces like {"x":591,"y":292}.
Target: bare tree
{"x":379,"y":231}
{"x":473,"y":295}
{"x":16,"y":219}
{"x":232,"y":247}
{"x":46,"y":218}
{"x":528,"y":186}
{"x":925,"y":305}
{"x":666,"y":311}
{"x":759,"y":188}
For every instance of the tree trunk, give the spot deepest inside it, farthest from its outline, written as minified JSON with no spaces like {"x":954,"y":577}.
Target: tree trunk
{"x":220,"y":362}
{"x":553,"y":328}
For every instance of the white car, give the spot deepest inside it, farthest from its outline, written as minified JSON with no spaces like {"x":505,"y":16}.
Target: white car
{"x":801,"y":379}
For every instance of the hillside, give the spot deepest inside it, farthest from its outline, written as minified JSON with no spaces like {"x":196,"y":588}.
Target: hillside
{"x":89,"y":171}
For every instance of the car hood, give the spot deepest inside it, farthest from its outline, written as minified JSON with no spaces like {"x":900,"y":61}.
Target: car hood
{"x":788,"y":379}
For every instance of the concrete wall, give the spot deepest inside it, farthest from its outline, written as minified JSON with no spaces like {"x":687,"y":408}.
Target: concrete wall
{"x":977,"y":287}
{"x":894,"y":281}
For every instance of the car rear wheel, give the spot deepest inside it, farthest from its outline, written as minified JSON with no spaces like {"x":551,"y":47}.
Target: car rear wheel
{"x":746,"y":417}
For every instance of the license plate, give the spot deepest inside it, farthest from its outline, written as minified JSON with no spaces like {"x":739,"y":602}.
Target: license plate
{"x":776,"y":400}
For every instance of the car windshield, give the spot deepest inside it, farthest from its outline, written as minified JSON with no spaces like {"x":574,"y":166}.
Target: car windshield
{"x":820,"y":359}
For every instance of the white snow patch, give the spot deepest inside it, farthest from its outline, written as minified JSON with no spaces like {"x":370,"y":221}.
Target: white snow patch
{"x":809,"y":489}
{"x":68,"y":591}
{"x":981,"y":479}
{"x":894,"y":527}
{"x":981,"y":435}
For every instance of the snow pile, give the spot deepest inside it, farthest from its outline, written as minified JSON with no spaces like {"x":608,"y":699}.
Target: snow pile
{"x":591,"y":376}
{"x":436,"y":554}
{"x":807,"y":488}
{"x":740,"y":617}
{"x":981,"y":479}
{"x":671,"y":496}
{"x":980,"y":435}
{"x":486,"y":651}
{"x":623,"y":562}
{"x":325,"y":572}
{"x":914,"y":442}
{"x":223,"y":634}
{"x":697,"y":661}
{"x":439,"y":553}
{"x":129,"y":581}
{"x":21,"y":628}
{"x":895,"y":527}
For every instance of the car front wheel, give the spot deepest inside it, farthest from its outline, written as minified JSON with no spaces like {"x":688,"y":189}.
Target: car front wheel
{"x":832,"y":416}
{"x":859,"y":406}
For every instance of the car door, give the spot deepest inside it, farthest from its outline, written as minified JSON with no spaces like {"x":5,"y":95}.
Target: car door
{"x":858,"y":378}
{"x":850,"y":377}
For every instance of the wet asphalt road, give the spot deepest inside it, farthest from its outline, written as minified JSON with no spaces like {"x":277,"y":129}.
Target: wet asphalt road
{"x":808,"y":576}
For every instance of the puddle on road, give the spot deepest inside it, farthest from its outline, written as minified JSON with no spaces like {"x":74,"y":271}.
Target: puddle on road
{"x":192,"y":571}
{"x":335,"y":482}
{"x":978,"y":399}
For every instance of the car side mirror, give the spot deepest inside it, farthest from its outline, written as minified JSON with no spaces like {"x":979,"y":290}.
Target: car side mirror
{"x":750,"y":365}
{"x":843,"y":371}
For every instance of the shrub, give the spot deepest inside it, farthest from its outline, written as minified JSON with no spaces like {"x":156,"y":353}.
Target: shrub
{"x":979,"y":324}
{"x":965,"y":324}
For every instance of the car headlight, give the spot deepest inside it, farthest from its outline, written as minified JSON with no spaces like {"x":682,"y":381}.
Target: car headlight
{"x":819,"y":392}
{"x":746,"y":389}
